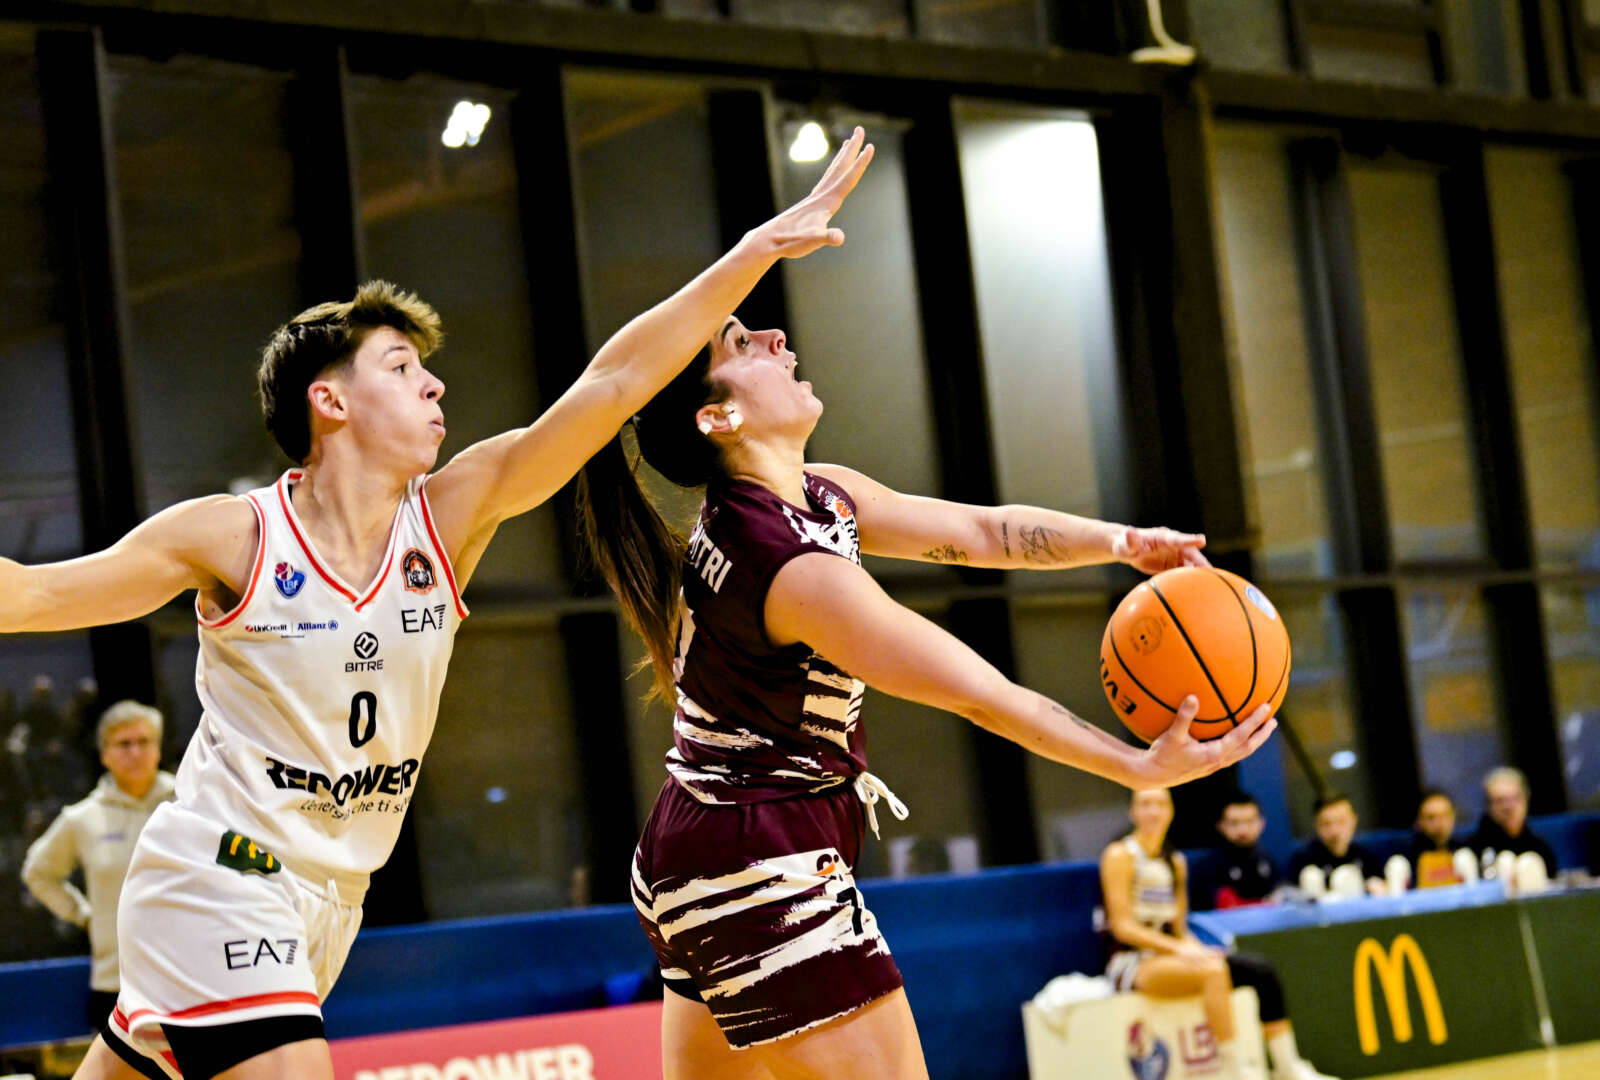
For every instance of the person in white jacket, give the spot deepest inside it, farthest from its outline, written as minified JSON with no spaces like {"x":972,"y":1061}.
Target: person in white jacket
{"x":97,"y":833}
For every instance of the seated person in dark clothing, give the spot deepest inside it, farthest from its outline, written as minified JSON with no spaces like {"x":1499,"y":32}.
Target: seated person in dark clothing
{"x":1243,"y":873}
{"x":1335,"y":844}
{"x":1429,"y":850}
{"x":1504,"y":825}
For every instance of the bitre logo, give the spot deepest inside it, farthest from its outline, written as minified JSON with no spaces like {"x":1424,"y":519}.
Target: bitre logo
{"x":366,"y":646}
{"x":1391,"y":968}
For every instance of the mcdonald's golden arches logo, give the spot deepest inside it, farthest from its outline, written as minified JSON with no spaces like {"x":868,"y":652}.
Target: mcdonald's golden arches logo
{"x":1391,"y":968}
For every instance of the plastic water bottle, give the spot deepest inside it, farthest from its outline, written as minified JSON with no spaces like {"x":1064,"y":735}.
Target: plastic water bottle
{"x":1397,"y":874}
{"x":1313,"y":882}
{"x":1530,"y":873}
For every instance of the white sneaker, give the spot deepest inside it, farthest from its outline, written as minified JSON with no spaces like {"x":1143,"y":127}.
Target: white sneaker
{"x":1301,"y":1070}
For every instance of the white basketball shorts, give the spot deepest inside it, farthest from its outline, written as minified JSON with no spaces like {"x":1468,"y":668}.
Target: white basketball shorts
{"x":213,"y":929}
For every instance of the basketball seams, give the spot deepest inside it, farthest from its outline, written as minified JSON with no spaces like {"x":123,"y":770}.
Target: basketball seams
{"x":1282,"y":675}
{"x":1255,"y":646}
{"x":1215,"y":689}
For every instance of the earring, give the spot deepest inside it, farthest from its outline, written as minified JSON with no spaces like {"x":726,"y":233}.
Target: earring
{"x":734,"y":418}
{"x":705,"y":427}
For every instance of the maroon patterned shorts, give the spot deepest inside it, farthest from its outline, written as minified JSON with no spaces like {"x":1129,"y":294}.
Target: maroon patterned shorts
{"x":753,"y":909}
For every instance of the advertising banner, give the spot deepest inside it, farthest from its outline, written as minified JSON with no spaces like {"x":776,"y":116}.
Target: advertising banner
{"x":1563,"y":929}
{"x":1406,"y":993}
{"x":619,"y":1043}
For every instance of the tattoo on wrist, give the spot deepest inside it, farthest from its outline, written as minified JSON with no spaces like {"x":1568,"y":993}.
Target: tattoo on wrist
{"x":1041,"y":545}
{"x":1005,"y":539}
{"x":946,"y":554}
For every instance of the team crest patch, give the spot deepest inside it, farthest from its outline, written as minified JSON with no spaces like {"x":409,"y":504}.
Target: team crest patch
{"x":288,"y":580}
{"x":417,"y":571}
{"x":241,"y":853}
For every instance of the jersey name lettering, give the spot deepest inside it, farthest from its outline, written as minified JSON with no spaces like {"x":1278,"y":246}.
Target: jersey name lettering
{"x":388,"y":779}
{"x":708,"y":559}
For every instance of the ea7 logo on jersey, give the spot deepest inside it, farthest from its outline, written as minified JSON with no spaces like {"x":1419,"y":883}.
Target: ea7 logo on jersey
{"x":416,"y":571}
{"x":240,"y":954}
{"x":366,"y":647}
{"x":416,"y":620}
{"x":288,"y":580}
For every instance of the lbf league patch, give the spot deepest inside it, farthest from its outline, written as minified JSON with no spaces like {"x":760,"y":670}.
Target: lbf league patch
{"x":241,"y":853}
{"x":417,"y":572}
{"x":288,"y":580}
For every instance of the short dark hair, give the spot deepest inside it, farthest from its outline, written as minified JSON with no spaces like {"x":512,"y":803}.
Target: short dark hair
{"x":1435,"y":793}
{"x":1236,"y":797}
{"x":1332,"y":798}
{"x":327,"y":336}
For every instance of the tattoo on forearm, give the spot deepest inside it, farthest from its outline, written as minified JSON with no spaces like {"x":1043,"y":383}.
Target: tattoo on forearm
{"x":947,"y":554}
{"x":1074,"y":717}
{"x":1041,"y":545}
{"x":1005,"y":539}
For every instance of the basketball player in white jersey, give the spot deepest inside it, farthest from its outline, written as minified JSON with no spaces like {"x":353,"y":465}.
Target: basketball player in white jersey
{"x":328,"y":604}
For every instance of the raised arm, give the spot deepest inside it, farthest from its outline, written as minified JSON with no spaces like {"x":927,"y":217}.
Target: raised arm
{"x":516,"y":471}
{"x":915,"y":527}
{"x":837,"y":609}
{"x":207,"y":544}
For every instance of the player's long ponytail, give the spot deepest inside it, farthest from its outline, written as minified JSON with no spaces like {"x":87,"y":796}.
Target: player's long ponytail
{"x":637,"y":551}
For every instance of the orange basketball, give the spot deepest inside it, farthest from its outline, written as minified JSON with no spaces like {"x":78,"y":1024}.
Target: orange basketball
{"x":1194,"y":630}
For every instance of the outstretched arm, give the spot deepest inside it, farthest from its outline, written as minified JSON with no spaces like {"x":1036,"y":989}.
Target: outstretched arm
{"x":207,"y":544}
{"x":836,"y":608}
{"x":516,"y":471}
{"x":1002,"y":537}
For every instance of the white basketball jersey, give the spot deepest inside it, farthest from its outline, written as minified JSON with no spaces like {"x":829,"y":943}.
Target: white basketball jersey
{"x":1155,"y":893}
{"x":320,"y":697}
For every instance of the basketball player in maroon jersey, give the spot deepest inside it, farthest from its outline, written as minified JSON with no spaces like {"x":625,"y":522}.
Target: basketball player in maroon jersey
{"x":763,"y":630}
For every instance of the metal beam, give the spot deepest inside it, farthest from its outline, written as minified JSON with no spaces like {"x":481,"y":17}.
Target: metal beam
{"x":1322,"y":102}
{"x":596,"y":670}
{"x":325,"y":201}
{"x":960,"y":400}
{"x":1525,"y":704}
{"x":746,"y":196}
{"x":491,"y":42}
{"x":1372,"y":14}
{"x":1353,"y":473}
{"x":87,"y":225}
{"x":599,"y":36}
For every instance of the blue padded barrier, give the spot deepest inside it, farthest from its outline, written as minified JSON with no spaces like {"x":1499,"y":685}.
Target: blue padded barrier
{"x":972,"y":948}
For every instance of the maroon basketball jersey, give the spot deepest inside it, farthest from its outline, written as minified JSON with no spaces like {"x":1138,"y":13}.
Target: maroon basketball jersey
{"x":756,"y":722}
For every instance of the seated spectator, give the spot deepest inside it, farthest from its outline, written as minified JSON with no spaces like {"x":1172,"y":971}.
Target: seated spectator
{"x":1335,"y":845}
{"x":97,"y":833}
{"x":1504,"y":825}
{"x":1151,"y":950}
{"x":1429,"y":851}
{"x":1244,"y":874}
